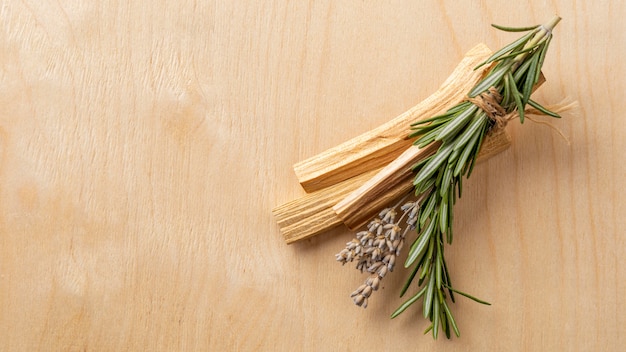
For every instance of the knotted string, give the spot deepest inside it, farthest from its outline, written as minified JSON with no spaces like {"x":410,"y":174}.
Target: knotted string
{"x":489,"y":102}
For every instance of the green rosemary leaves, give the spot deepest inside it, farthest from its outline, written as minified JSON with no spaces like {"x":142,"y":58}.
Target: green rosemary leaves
{"x":501,"y":96}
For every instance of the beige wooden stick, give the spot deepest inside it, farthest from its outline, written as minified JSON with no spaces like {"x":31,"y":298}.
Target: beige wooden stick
{"x":378,"y":147}
{"x":395,"y":181}
{"x":313,"y":213}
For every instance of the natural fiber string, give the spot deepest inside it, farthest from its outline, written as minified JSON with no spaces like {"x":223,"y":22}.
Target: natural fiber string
{"x":563,"y":106}
{"x":489,"y":102}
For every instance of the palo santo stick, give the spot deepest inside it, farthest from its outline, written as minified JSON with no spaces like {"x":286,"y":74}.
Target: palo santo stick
{"x":313,"y":214}
{"x":378,"y":147}
{"x":395,"y":181}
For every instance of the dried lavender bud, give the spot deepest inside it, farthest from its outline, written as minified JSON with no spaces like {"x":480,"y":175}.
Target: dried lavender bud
{"x":377,"y":248}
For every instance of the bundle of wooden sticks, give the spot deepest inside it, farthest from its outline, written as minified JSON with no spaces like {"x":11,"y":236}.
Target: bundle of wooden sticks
{"x":352,"y":182}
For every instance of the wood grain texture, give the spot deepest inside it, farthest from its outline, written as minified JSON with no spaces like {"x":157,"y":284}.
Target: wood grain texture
{"x":144,"y":144}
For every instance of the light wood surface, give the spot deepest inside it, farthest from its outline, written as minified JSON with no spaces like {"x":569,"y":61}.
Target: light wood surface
{"x":143,"y":145}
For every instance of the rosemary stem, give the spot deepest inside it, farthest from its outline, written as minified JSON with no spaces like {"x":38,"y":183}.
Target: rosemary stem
{"x":544,"y":30}
{"x":461,"y":131}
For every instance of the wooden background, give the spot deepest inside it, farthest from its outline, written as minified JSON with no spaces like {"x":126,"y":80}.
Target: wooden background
{"x":143,"y":145}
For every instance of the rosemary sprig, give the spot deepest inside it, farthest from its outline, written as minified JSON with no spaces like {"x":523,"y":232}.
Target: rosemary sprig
{"x":502,"y":95}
